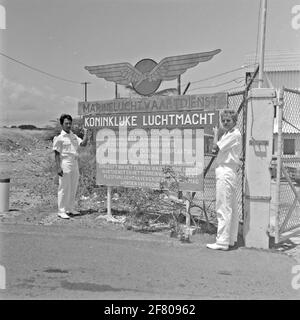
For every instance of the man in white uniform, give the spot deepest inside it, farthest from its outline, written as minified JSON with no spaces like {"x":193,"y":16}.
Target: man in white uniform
{"x":66,"y":147}
{"x":228,"y":150}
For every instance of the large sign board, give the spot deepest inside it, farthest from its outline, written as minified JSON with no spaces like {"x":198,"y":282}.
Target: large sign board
{"x":154,"y":104}
{"x":137,"y":138}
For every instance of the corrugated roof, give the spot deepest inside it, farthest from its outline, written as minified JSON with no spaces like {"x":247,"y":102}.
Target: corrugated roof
{"x":275,"y":61}
{"x":277,"y":80}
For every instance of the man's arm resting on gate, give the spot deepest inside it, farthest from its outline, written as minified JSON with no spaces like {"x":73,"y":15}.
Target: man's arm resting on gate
{"x":215,"y":149}
{"x":228,"y":142}
{"x":57,"y":161}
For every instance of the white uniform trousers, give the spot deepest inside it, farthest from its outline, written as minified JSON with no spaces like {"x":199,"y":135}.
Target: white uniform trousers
{"x":68,"y":184}
{"x":226,"y":205}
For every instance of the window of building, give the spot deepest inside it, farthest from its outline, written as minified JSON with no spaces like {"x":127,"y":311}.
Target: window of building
{"x":289,"y":146}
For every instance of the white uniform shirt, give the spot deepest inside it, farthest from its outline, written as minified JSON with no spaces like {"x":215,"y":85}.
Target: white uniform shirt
{"x":67,"y":145}
{"x":230,"y":146}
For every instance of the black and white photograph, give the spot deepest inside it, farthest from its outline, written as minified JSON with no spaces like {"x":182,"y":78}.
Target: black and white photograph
{"x":149,"y":152}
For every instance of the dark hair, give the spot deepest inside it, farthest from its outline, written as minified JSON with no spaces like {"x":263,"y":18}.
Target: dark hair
{"x":63,"y":117}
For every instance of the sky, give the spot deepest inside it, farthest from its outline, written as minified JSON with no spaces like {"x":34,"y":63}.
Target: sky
{"x":60,"y":37}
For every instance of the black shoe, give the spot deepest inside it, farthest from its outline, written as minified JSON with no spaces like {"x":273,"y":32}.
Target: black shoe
{"x":233,"y":247}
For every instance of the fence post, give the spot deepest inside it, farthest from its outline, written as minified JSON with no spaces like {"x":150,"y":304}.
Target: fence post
{"x":188,"y":217}
{"x":244,"y":149}
{"x":278,"y":163}
{"x":259,"y":141}
{"x":109,"y":201}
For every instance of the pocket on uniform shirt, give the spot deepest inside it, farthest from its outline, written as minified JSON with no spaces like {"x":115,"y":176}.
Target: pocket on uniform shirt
{"x":66,"y":146}
{"x":75,"y":143}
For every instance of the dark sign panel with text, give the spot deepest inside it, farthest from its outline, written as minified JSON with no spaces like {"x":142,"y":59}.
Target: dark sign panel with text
{"x":134,"y":143}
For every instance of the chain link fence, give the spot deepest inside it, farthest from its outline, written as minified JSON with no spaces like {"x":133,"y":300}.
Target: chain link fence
{"x":289,"y":206}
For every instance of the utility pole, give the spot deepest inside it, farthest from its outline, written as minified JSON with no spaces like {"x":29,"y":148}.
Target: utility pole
{"x":263,"y":14}
{"x":85,"y":99}
{"x":85,"y":90}
{"x":109,"y":188}
{"x":116,"y":91}
{"x":179,"y":85}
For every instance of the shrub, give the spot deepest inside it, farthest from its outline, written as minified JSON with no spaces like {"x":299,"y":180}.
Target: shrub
{"x":27,"y":127}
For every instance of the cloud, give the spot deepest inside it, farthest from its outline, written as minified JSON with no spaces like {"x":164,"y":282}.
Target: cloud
{"x":28,"y":107}
{"x":68,"y":100}
{"x":13,"y":91}
{"x":23,"y":104}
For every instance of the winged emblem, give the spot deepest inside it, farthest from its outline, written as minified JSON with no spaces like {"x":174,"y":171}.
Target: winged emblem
{"x":164,"y":92}
{"x":167,"y":69}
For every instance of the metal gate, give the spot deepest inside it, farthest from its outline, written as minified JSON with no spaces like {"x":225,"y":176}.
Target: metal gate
{"x":285,"y":187}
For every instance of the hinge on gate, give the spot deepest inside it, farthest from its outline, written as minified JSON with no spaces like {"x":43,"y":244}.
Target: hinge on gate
{"x":259,"y":142}
{"x":276,"y":102}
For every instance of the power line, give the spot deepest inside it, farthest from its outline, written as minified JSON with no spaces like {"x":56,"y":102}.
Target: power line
{"x":223,"y":73}
{"x":237,"y":87}
{"x":220,"y":84}
{"x":38,"y":70}
{"x":76,"y":82}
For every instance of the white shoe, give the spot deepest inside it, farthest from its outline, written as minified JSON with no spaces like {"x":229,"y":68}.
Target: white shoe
{"x":63,"y":215}
{"x":216,"y":246}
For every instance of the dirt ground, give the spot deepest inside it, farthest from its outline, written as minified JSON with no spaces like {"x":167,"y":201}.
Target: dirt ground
{"x":62,"y":262}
